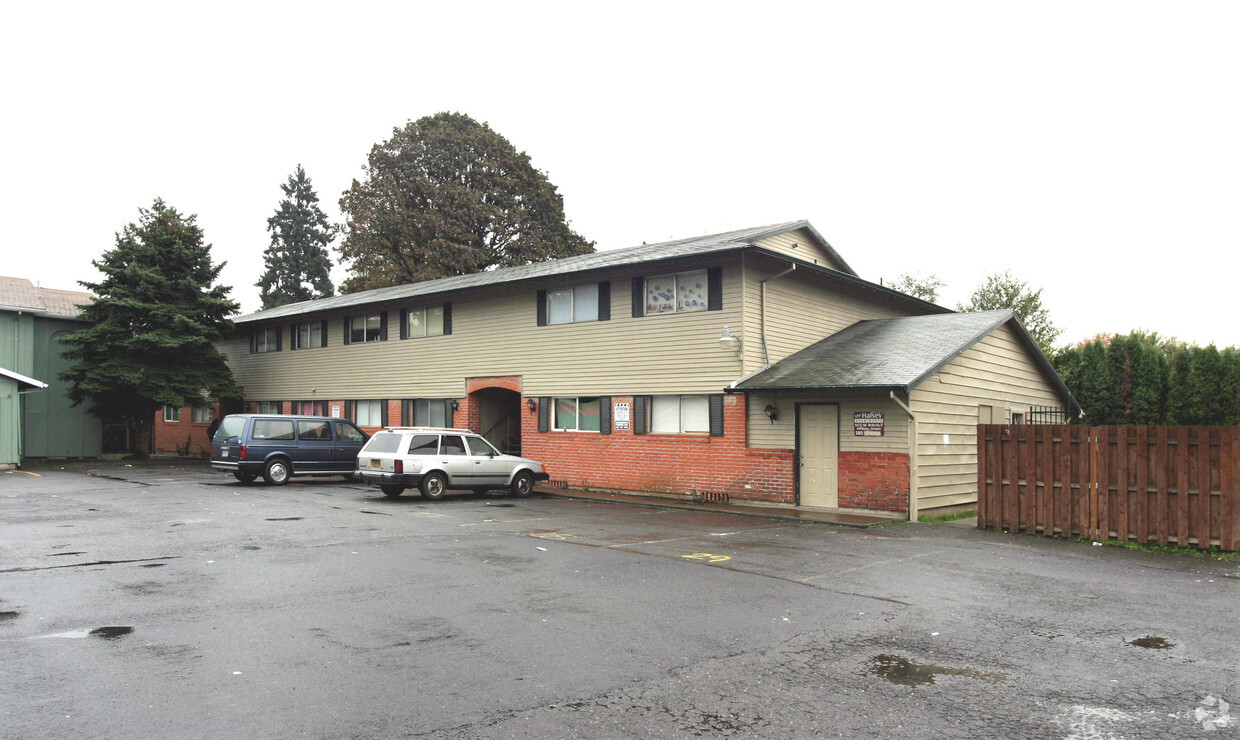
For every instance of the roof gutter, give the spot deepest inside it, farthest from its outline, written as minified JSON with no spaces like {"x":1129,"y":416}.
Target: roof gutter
{"x":912,"y":457}
{"x":766,"y":354}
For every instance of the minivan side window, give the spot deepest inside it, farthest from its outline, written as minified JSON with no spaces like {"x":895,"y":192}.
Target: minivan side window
{"x":272,"y":429}
{"x":315,"y":430}
{"x":424,"y":444}
{"x":346,"y":432}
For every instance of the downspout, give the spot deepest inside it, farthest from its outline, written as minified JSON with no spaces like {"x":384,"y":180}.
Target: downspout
{"x":912,"y":458}
{"x":766,"y":355}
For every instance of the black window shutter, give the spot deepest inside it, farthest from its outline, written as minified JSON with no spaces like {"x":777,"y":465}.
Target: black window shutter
{"x":279,"y":337}
{"x":383,"y":326}
{"x":384,"y":413}
{"x":544,"y":414}
{"x":542,"y":308}
{"x":349,"y":411}
{"x":447,"y":318}
{"x":716,"y":415}
{"x":604,"y":414}
{"x":348,"y":329}
{"x":292,"y":336}
{"x":639,"y":297}
{"x":604,"y":301}
{"x":323,"y":331}
{"x":449,"y":413}
{"x":404,"y":323}
{"x":714,"y":289}
{"x":253,"y":342}
{"x":639,"y":414}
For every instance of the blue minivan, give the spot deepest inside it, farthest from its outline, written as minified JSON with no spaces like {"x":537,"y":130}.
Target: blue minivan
{"x":278,"y":447}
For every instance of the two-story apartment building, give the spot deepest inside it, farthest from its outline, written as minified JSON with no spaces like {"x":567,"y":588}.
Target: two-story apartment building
{"x":753,"y":365}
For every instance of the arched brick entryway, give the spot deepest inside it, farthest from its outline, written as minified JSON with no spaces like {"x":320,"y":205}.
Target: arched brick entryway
{"x":495,"y":411}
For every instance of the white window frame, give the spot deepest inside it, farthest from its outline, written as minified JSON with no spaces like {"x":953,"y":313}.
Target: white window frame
{"x":374,"y":408}
{"x":578,"y":402}
{"x":271,"y":407}
{"x":267,"y":339}
{"x":365,"y":318}
{"x":580,"y":298}
{"x":425,"y":327}
{"x":172,"y":414}
{"x":313,"y":330}
{"x":421,"y":411}
{"x":698,"y":295}
{"x":665,"y":409}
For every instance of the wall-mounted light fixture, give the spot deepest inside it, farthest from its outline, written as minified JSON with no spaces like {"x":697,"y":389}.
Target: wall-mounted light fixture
{"x":455,"y":406}
{"x":727,"y":341}
{"x":771,"y":412}
{"x":532,"y":404}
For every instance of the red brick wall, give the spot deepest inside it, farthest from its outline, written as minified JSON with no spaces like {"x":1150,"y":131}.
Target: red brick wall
{"x":874,"y":480}
{"x":665,"y":463}
{"x":171,"y":434}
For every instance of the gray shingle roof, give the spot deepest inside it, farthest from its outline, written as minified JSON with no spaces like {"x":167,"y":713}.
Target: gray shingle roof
{"x":711,"y":244}
{"x":20,"y":293}
{"x":889,"y":354}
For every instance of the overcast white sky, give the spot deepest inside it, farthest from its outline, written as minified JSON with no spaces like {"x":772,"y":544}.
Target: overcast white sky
{"x":1092,"y":148}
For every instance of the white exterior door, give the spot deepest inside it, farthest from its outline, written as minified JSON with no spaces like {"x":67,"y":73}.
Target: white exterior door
{"x":818,"y":435}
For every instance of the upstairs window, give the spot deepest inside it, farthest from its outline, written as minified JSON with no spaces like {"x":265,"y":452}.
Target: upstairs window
{"x":266,"y":339}
{"x":681,"y":292}
{"x":310,"y":335}
{"x":431,"y":321}
{"x":365,"y":327}
{"x":586,"y":302}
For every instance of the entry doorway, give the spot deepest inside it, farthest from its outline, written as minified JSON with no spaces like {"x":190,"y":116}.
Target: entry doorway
{"x":499,"y":417}
{"x":818,"y":447}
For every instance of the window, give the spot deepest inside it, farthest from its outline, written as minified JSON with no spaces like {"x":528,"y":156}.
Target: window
{"x":452,"y":445}
{"x":577,"y":414}
{"x":308,"y":408}
{"x":365,"y":327}
{"x":267,"y":340}
{"x":424,"y":322}
{"x":686,"y":291}
{"x":308,"y":336}
{"x":424,"y":444}
{"x":679,"y":415}
{"x":270,"y":407}
{"x":567,"y":305}
{"x":368,"y":413}
{"x":479,"y":447}
{"x":314,"y":430}
{"x":346,"y":432}
{"x":426,"y":412}
{"x":272,"y":429}
{"x":172,"y":413}
{"x":202,"y":414}
{"x":1018,"y":418}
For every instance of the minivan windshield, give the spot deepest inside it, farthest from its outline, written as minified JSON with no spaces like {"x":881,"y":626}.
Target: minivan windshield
{"x":232,"y":426}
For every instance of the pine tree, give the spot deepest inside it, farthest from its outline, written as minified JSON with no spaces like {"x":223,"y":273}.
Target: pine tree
{"x":154,"y":323}
{"x":297,"y":262}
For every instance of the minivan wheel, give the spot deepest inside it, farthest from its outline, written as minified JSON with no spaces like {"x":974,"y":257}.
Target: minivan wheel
{"x":277,"y":472}
{"x":392,"y":490}
{"x":244,"y":477}
{"x":434,"y":485}
{"x":523,"y":484}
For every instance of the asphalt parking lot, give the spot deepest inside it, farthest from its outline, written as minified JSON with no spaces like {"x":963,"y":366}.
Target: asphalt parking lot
{"x":164,"y":600}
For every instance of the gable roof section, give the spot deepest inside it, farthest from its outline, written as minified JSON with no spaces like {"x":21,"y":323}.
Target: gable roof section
{"x":19,"y":294}
{"x":892,"y":354}
{"x":613,"y":258}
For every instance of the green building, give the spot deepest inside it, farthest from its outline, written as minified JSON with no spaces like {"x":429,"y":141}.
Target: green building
{"x":40,"y":422}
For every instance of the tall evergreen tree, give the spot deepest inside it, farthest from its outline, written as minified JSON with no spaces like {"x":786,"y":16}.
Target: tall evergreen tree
{"x":156,"y":317}
{"x":296,"y":261}
{"x":447,"y":196}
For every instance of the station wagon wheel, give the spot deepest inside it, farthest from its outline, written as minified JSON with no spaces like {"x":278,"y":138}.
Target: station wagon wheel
{"x":434,"y":485}
{"x":244,"y":477}
{"x":392,"y":491}
{"x":277,"y":471}
{"x":522,"y":484}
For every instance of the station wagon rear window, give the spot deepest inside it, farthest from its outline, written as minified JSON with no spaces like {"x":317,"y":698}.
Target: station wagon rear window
{"x":384,"y":442}
{"x":424,"y":444}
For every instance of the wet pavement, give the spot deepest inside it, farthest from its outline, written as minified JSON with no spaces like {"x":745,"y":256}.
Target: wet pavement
{"x":163,"y":600}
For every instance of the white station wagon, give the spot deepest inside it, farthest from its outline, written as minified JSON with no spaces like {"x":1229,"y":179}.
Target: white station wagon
{"x":434,"y":460}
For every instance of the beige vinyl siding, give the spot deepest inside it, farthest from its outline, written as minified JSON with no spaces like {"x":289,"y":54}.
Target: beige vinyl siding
{"x":781,"y":435}
{"x":997,"y":371}
{"x":495,"y":333}
{"x":799,"y":310}
{"x":802,"y":245}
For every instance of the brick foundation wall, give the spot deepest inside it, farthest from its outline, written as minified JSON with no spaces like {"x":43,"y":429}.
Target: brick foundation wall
{"x":665,"y":463}
{"x":874,"y":480}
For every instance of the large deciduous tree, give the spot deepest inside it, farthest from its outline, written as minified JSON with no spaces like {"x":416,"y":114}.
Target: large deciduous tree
{"x":297,"y":263}
{"x":1005,"y":291}
{"x":156,"y":317}
{"x":447,"y":196}
{"x":926,"y":288}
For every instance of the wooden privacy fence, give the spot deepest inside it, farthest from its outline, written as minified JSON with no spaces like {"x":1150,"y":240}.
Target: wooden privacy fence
{"x":1156,"y":485}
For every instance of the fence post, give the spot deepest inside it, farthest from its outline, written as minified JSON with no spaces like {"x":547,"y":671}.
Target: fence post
{"x":1093,"y":484}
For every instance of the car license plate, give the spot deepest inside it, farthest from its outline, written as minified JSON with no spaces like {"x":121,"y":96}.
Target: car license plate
{"x":376,"y":463}
{"x":223,"y":452}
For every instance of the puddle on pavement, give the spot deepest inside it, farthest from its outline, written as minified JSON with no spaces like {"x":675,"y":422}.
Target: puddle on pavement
{"x":63,"y":554}
{"x":1152,"y":642}
{"x":5,"y":616}
{"x":250,"y":547}
{"x":105,"y":633}
{"x":377,"y":513}
{"x":153,"y":565}
{"x":285,"y":519}
{"x":501,"y":505}
{"x":905,"y":672}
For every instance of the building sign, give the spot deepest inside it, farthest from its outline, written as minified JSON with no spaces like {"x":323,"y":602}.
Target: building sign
{"x":868,"y":423}
{"x":335,"y":412}
{"x":620,"y":416}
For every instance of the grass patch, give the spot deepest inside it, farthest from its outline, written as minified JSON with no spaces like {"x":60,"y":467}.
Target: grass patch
{"x":947,"y":517}
{"x":1191,"y":552}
